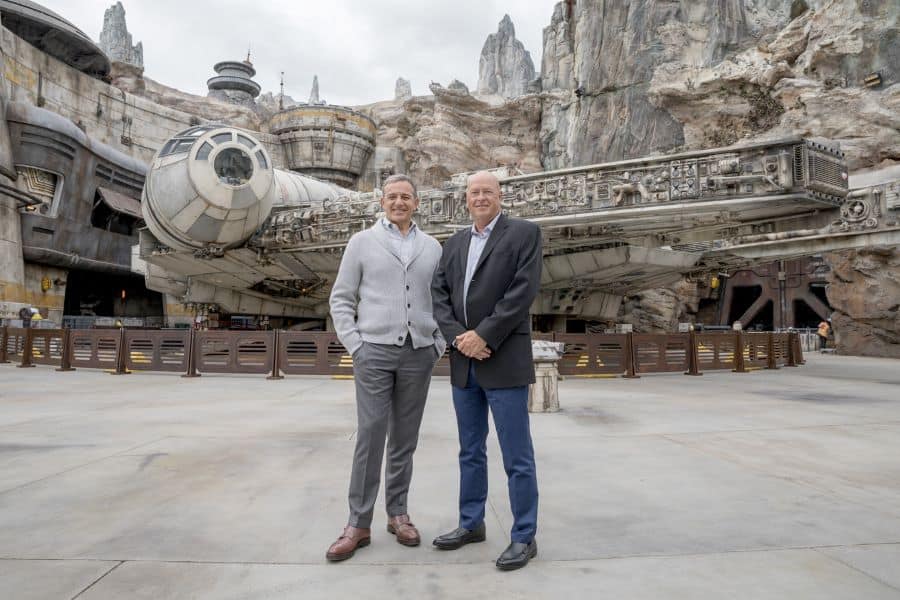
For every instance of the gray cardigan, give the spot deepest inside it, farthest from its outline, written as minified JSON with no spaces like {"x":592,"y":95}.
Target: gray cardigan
{"x":375,"y":299}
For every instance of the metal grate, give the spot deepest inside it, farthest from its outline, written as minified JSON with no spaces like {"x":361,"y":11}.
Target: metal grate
{"x":799,"y":177}
{"x":826,"y":175}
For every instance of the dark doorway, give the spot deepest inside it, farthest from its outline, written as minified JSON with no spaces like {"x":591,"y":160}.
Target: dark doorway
{"x":764,"y":320}
{"x":819,"y":290}
{"x":89,"y":293}
{"x":743,"y":298}
{"x":805,"y":316}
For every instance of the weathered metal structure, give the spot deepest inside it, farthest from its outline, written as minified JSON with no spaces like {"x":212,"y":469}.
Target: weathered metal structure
{"x":46,"y":30}
{"x":331,"y":143}
{"x":609,"y":229}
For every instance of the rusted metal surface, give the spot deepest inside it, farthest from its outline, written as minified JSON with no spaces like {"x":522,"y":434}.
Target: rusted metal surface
{"x":47,"y":346}
{"x":313,"y":353}
{"x":592,"y":354}
{"x":234,"y":351}
{"x":756,"y":350}
{"x":94,"y":349}
{"x":715,"y":351}
{"x":279,"y":353}
{"x":14,"y":343}
{"x":783,"y":284}
{"x":4,"y":336}
{"x":661,"y":353}
{"x":157,"y":350}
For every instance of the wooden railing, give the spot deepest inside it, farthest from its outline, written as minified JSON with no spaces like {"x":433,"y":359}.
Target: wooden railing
{"x":279,"y":353}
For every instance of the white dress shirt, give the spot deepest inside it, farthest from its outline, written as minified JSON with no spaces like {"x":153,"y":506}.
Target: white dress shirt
{"x":402,"y":244}
{"x":476,"y":247}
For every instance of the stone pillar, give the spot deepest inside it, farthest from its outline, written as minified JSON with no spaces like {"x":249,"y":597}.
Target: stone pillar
{"x":543,"y":394}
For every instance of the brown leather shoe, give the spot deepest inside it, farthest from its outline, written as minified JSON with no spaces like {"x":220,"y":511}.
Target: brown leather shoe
{"x":406,"y":532}
{"x":345,"y":546}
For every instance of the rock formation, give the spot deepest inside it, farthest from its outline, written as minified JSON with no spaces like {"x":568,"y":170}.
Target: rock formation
{"x":402,"y":89}
{"x":458,"y":86}
{"x":452,"y":132}
{"x":130,"y":79}
{"x":505,"y":67}
{"x":270,"y":103}
{"x":660,"y":310}
{"x":115,"y":40}
{"x":314,"y":92}
{"x":864,"y":291}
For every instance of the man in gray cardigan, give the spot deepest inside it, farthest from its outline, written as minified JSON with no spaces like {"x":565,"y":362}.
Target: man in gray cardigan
{"x":382,"y":313}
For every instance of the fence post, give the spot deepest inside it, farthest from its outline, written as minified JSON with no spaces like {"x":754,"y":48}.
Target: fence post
{"x":791,"y":352}
{"x":771,"y":363}
{"x":630,"y":367}
{"x":65,"y":363}
{"x":4,"y":339}
{"x":192,"y":355}
{"x":121,"y":354}
{"x":693,"y":355}
{"x":27,"y":350}
{"x":739,"y":366}
{"x":276,"y":366}
{"x":800,"y":359}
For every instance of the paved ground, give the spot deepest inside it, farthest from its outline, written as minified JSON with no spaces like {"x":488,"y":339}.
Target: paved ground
{"x":765,"y":485}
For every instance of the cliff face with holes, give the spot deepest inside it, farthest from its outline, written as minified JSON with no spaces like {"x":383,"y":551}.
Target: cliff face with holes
{"x":628,"y":79}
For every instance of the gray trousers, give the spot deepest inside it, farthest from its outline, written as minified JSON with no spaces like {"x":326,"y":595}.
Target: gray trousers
{"x":391,"y":387}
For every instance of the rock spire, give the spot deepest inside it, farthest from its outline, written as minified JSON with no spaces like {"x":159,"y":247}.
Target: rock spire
{"x":314,"y":92}
{"x":505,"y":67}
{"x":115,"y":41}
{"x":402,"y":89}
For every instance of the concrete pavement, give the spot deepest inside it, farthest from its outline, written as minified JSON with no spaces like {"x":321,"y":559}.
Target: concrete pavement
{"x":780,"y":484}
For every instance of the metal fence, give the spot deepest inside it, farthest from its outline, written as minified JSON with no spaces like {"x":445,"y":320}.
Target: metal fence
{"x":280,"y":353}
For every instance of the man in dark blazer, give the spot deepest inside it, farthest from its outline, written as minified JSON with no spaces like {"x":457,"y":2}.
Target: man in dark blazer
{"x":487,"y":278}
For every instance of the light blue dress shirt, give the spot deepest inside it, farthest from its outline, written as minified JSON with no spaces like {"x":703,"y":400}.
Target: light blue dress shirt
{"x":403,"y":244}
{"x":476,"y":247}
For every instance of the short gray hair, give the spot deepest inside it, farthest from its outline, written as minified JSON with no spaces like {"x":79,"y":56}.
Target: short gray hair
{"x":399,"y":178}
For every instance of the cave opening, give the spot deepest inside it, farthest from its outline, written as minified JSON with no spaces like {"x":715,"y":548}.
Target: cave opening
{"x":95,"y":294}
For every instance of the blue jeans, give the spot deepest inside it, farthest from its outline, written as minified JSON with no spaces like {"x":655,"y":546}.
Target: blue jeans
{"x":509,"y":407}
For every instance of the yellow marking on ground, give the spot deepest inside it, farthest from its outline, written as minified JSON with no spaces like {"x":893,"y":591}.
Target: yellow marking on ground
{"x":342,"y":376}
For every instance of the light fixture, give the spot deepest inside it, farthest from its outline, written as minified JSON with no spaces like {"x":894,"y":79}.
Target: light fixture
{"x":872,"y":80}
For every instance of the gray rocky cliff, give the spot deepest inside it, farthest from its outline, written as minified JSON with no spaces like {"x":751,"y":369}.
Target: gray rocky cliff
{"x":629,"y":79}
{"x":505,"y":67}
{"x":115,"y":40}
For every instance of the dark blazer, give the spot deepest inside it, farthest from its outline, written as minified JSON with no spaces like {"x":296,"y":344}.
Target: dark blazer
{"x":505,"y":283}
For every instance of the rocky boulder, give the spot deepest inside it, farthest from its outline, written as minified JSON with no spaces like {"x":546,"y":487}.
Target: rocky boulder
{"x":864,"y":290}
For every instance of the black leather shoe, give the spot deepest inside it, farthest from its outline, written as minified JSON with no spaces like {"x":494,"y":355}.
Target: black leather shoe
{"x":459,"y":537}
{"x":517,"y":555}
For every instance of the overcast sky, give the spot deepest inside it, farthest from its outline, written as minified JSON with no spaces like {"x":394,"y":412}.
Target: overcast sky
{"x":358,"y":48}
